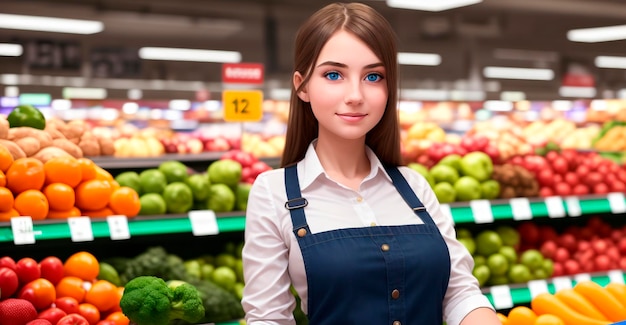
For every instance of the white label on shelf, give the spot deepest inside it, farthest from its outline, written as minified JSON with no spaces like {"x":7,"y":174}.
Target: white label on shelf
{"x":22,"y":228}
{"x":501,"y":295}
{"x":617,"y":202}
{"x":536,"y":287}
{"x":555,"y":207}
{"x":616,"y":276}
{"x":481,"y":209}
{"x":582,"y":277}
{"x":520,"y":207}
{"x":445,"y":209}
{"x":203,"y":222}
{"x":573,"y":206}
{"x":118,"y":227}
{"x":561,"y":282}
{"x":80,"y":229}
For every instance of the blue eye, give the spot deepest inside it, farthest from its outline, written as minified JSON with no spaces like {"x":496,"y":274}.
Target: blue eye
{"x":332,"y":75}
{"x":373,"y":77}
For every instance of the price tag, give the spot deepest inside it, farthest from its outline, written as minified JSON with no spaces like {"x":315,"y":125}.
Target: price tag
{"x":203,"y":222}
{"x":501,"y":295}
{"x":573,"y":206}
{"x":80,"y":229}
{"x":481,"y":209}
{"x":555,"y":207}
{"x":562,"y":282}
{"x":536,"y":287}
{"x":582,"y":277}
{"x":242,"y":105}
{"x":521,"y":208}
{"x":617,"y":202}
{"x":616,"y":276}
{"x":118,"y":227}
{"x":445,"y":209}
{"x":22,"y":228}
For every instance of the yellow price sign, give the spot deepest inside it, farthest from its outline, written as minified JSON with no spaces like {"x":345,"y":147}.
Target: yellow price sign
{"x":242,"y":105}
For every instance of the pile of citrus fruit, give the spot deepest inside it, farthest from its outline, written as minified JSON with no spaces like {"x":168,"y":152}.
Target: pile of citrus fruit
{"x":62,"y":187}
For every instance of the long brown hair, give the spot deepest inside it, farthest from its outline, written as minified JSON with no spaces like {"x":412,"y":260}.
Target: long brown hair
{"x":375,"y":31}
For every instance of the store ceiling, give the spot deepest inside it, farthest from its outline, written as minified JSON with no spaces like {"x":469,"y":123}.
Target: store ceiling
{"x":529,"y":33}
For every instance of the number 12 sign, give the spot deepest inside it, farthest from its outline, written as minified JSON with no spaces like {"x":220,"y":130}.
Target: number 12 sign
{"x":242,"y":105}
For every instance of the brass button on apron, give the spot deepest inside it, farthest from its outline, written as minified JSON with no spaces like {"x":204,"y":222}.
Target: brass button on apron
{"x":397,"y":323}
{"x":384,"y":247}
{"x":359,"y":199}
{"x":301,"y":232}
{"x":372,"y":224}
{"x":395,"y":294}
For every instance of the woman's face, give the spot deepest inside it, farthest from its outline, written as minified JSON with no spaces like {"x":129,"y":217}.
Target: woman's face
{"x":347,"y":89}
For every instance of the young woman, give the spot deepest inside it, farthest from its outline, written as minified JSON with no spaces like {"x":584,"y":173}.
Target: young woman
{"x":361,"y":239}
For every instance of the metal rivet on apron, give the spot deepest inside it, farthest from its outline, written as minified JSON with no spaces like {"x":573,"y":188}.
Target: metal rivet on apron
{"x":395,"y":294}
{"x":372,"y":224}
{"x":384,"y":247}
{"x":301,"y":232}
{"x":359,"y":199}
{"x":397,"y":322}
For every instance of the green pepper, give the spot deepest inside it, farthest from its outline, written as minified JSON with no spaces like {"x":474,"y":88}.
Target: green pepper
{"x":26,"y":115}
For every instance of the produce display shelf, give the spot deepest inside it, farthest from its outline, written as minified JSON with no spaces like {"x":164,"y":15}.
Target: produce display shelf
{"x":138,"y":226}
{"x":520,"y":294}
{"x":121,"y":163}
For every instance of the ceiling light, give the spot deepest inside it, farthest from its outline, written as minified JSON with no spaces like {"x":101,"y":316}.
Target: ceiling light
{"x":407,"y":58}
{"x":498,"y":105}
{"x":597,"y":34}
{"x":50,"y":24}
{"x":518,"y":73}
{"x":177,"y":54}
{"x":8,"y":49}
{"x":84,"y":93}
{"x":612,"y":62}
{"x":430,"y":5}
{"x":578,"y":92}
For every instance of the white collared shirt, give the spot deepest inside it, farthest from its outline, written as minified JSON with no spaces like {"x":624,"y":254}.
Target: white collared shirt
{"x":272,"y":257}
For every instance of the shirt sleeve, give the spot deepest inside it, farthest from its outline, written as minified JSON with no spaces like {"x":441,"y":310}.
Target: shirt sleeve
{"x":463,"y":294}
{"x":266,"y":297}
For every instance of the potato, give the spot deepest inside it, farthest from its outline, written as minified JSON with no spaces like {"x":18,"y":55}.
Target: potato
{"x":90,"y":147}
{"x":48,"y":153}
{"x":4,"y":128}
{"x":75,"y":129}
{"x":68,"y":146}
{"x":106,"y":146}
{"x":29,"y":145}
{"x":45,"y":140}
{"x":14,"y":149}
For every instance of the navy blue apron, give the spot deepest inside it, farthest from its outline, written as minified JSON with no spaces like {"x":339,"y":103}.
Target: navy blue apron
{"x":396,"y":275}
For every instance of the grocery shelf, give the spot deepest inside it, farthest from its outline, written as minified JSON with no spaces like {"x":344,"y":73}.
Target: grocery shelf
{"x":507,"y":296}
{"x":121,"y":163}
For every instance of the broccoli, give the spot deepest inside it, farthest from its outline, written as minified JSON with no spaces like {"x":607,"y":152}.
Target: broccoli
{"x":148,"y":300}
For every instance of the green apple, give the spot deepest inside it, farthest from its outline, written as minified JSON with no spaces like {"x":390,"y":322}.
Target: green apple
{"x":510,"y":254}
{"x":444,"y":173}
{"x":469,"y":244}
{"x":453,"y":160}
{"x":467,"y":189}
{"x":488,"y":242}
{"x":490,"y":189}
{"x":519,"y":273}
{"x":532,"y":258}
{"x":479,"y":260}
{"x":495,"y":280}
{"x":509,"y":235}
{"x":463,"y":233}
{"x":445,"y":192}
{"x":498,"y":264}
{"x":477,"y":164}
{"x":423,"y":170}
{"x":482,"y":274}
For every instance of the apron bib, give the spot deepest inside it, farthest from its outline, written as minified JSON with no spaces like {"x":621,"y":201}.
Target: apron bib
{"x":395,"y":275}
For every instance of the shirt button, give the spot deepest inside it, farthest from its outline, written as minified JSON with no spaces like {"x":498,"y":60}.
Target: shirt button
{"x":395,"y":294}
{"x":372,"y":224}
{"x":397,"y":323}
{"x":301,"y":232}
{"x":359,"y":199}
{"x":384,"y":247}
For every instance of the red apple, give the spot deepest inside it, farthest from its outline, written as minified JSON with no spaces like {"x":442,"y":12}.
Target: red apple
{"x":545,"y":177}
{"x":571,"y":179}
{"x":602,"y":263}
{"x":560,"y":165}
{"x":561,"y":255}
{"x":621,"y":245}
{"x":571,"y":267}
{"x":622,"y":263}
{"x":52,"y":269}
{"x":529,"y":233}
{"x":562,"y":189}
{"x":599,"y":246}
{"x":7,"y":261}
{"x":580,"y":189}
{"x":618,"y":186}
{"x":27,"y":270}
{"x":568,"y":241}
{"x":557,"y":269}
{"x":601,"y":188}
{"x":548,"y":249}
{"x":546,"y":192}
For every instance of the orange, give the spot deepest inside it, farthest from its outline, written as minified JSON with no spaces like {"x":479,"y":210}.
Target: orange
{"x":60,"y":196}
{"x":102,"y":174}
{"x":71,"y":286}
{"x":93,"y":194}
{"x":502,"y":318}
{"x":3,"y":179}
{"x":90,"y":312}
{"x":25,"y":174}
{"x":6,"y":200}
{"x":104,"y":212}
{"x":64,"y":170}
{"x":547,"y":319}
{"x":82,"y":265}
{"x":6,"y":159}
{"x":118,"y":318}
{"x":521,"y":315}
{"x":117,"y":308}
{"x":125,"y":201}
{"x":32,"y":203}
{"x":88,"y":168}
{"x":55,"y":214}
{"x":103,"y":295}
{"x":6,"y":216}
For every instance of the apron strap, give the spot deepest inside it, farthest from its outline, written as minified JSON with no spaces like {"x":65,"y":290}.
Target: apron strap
{"x":408,"y":195}
{"x":295,"y":202}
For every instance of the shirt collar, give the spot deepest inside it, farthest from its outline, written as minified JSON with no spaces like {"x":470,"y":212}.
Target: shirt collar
{"x":310,"y":168}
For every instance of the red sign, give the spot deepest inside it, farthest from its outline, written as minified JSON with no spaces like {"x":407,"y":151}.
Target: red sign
{"x":242,"y":73}
{"x":578,"y":80}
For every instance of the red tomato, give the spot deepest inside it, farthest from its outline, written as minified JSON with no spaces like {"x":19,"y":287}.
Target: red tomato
{"x":90,"y":312}
{"x":73,"y":319}
{"x":27,"y":270}
{"x":53,"y":314}
{"x":40,"y":293}
{"x":8,"y":282}
{"x":7,"y":261}
{"x":68,"y":304}
{"x":52,"y":269}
